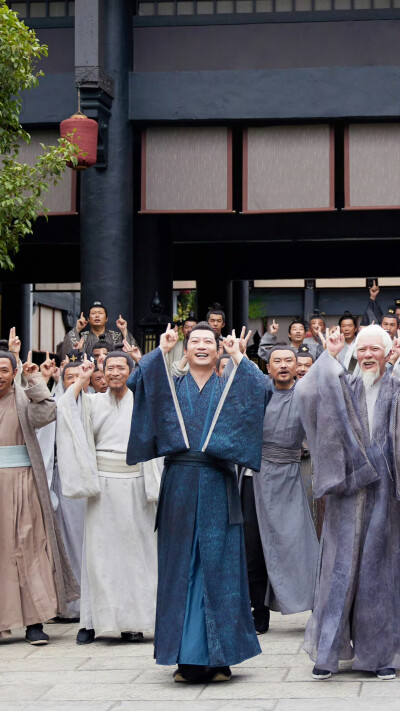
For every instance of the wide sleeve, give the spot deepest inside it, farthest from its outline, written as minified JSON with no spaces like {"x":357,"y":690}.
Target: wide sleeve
{"x":42,"y":407}
{"x":236,"y":432}
{"x":76,"y":452}
{"x":334,"y":433}
{"x":373,"y":313}
{"x":157,"y":427}
{"x":267,"y":342}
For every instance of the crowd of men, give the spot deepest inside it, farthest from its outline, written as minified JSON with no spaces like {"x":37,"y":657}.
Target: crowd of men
{"x":168,"y":494}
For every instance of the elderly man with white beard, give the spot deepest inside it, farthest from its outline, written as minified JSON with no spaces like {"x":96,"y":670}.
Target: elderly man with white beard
{"x":352,"y":430}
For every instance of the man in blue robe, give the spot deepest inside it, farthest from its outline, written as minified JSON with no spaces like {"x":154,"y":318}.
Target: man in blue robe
{"x":203,"y":425}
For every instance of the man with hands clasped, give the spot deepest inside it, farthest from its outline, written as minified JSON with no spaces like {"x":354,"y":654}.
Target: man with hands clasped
{"x":352,"y":427}
{"x":203,"y":425}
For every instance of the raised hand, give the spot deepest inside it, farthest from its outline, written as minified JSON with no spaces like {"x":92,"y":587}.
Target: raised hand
{"x":100,"y":361}
{"x":274,"y":328}
{"x":243,"y":340}
{"x":81,"y":323}
{"x":14,"y":344}
{"x":232,"y":347}
{"x":30,"y":368}
{"x":122,"y":325}
{"x":48,"y":368}
{"x":373,"y":291}
{"x":334,"y":341}
{"x":133,"y":351}
{"x":80,"y":344}
{"x":85,"y":370}
{"x":168,"y":339}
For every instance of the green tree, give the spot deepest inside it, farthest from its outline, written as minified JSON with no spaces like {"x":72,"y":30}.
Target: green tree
{"x":22,"y":187}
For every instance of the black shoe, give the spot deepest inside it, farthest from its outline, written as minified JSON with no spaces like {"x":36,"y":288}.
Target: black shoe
{"x":261,"y":625}
{"x":85,"y":636}
{"x":66,"y":620}
{"x":132,"y":636}
{"x":35,"y":635}
{"x":321,"y":673}
{"x":219,"y":674}
{"x":387,"y":673}
{"x":191,"y":674}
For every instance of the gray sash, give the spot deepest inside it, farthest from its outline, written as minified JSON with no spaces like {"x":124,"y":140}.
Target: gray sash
{"x":281,"y":455}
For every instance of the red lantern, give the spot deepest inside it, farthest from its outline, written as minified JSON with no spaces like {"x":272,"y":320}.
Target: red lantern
{"x":84,"y":135}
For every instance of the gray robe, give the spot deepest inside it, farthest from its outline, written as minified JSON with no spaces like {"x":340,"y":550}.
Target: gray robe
{"x":36,"y":408}
{"x":358,"y":588}
{"x":287,"y":531}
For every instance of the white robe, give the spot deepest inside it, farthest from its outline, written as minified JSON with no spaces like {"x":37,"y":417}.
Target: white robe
{"x":119,"y":567}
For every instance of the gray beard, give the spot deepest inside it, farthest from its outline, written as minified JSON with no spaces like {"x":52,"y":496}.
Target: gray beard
{"x":369,"y":379}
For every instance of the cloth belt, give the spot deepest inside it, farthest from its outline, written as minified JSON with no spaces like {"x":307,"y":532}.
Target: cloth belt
{"x":113,"y":464}
{"x":281,"y":455}
{"x":14,"y":456}
{"x":200,"y":459}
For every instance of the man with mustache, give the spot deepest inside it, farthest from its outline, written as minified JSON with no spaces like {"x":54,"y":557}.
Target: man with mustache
{"x":352,"y":430}
{"x":277,"y":520}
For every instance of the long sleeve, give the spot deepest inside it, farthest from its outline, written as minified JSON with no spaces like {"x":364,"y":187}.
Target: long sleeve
{"x":157,"y":425}
{"x":236,"y":433}
{"x":373,"y":312}
{"x":267,"y":342}
{"x":334,"y":433}
{"x":76,"y":453}
{"x":42,"y":407}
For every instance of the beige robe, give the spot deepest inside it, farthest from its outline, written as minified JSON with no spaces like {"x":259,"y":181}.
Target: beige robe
{"x":36,"y":580}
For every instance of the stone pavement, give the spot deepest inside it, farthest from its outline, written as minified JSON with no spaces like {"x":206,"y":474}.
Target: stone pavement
{"x":110,"y":675}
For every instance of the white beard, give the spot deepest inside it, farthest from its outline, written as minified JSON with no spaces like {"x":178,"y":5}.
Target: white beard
{"x":369,"y":378}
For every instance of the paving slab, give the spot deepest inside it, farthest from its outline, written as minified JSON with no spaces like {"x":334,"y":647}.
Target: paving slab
{"x":61,"y":706}
{"x":294,"y":690}
{"x":110,"y":675}
{"x":123,"y":692}
{"x":246,"y":675}
{"x":67,"y":677}
{"x":372,"y":704}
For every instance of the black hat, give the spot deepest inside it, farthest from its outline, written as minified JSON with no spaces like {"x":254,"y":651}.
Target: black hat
{"x":397,"y":303}
{"x":97,"y":305}
{"x":102,"y":344}
{"x":305,"y":352}
{"x":75,"y":355}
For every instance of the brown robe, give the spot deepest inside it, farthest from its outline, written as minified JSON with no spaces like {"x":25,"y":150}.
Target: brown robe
{"x":36,"y":580}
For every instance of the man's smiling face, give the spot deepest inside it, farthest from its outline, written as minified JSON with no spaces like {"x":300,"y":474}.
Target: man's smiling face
{"x":201,"y":348}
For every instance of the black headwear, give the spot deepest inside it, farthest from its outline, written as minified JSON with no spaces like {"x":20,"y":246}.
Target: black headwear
{"x":97,"y":305}
{"x":102,"y":344}
{"x":304,"y":352}
{"x":75,"y":356}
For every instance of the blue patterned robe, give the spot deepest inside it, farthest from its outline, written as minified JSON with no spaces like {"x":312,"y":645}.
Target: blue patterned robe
{"x":203,"y":608}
